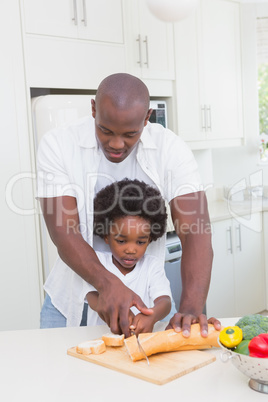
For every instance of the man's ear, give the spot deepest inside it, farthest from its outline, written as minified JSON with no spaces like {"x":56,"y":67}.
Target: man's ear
{"x":148,"y":116}
{"x":93,"y":108}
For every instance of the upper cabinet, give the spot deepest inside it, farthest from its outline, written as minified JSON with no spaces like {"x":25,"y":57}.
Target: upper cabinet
{"x":83,"y":19}
{"x":95,"y":39}
{"x":209,"y":76}
{"x":72,"y":43}
{"x":150,"y":46}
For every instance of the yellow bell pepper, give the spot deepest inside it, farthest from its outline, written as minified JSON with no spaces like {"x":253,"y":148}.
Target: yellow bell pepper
{"x":231,"y":336}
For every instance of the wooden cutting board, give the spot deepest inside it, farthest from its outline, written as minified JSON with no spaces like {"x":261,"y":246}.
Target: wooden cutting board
{"x":164,"y":367}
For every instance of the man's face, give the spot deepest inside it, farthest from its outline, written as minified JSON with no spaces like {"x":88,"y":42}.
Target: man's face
{"x":118,"y":131}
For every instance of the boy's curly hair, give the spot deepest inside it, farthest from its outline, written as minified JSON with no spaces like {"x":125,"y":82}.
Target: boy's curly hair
{"x":129,"y":197}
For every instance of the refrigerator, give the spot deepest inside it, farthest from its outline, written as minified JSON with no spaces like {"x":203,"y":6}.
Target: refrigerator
{"x":48,"y":112}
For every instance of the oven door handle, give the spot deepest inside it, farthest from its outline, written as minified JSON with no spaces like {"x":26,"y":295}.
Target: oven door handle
{"x":174,"y":260}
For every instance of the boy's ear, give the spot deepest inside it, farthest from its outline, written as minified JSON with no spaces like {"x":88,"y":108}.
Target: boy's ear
{"x":106,"y":239}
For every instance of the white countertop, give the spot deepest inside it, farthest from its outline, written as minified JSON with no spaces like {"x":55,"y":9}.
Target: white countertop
{"x":222,"y":209}
{"x":35,"y":367}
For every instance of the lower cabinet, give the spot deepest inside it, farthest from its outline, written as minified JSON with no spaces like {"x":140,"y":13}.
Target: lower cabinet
{"x":237,"y":284}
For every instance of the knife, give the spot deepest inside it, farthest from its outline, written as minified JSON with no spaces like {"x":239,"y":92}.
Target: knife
{"x":139,"y":345}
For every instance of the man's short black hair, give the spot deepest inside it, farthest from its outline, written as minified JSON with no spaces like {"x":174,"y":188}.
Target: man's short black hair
{"x":129,"y":197}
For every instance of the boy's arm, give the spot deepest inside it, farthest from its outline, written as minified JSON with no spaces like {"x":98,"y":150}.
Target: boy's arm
{"x":162,"y":307}
{"x":92,"y":299}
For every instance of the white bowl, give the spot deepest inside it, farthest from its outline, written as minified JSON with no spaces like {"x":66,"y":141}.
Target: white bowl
{"x":254,"y":368}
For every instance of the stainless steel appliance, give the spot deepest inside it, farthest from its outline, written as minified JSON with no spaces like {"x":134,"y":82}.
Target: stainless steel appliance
{"x":159,"y":114}
{"x":173,"y":268}
{"x":173,"y":265}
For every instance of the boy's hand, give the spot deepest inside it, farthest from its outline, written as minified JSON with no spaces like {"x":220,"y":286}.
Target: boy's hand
{"x":142,"y":323}
{"x":131,"y":317}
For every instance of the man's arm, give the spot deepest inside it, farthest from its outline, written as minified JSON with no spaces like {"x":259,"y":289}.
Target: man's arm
{"x":191,"y":221}
{"x":115,"y":299}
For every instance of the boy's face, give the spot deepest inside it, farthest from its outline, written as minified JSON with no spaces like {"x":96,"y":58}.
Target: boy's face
{"x":128,"y":239}
{"x":118,"y":131}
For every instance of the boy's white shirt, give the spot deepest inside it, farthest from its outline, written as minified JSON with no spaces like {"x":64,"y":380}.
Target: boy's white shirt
{"x":147,"y":279}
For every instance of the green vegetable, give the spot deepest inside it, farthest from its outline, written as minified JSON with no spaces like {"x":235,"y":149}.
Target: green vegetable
{"x":263,"y":322}
{"x":253,"y":325}
{"x":242,"y":348}
{"x":250,"y":331}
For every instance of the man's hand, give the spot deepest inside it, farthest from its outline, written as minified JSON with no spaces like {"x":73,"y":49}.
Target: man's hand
{"x":114,"y":303}
{"x":182,"y":322}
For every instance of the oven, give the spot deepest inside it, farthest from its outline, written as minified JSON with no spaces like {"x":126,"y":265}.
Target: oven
{"x":173,"y":255}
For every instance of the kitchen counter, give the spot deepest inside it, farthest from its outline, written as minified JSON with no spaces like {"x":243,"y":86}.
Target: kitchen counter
{"x":220,"y":209}
{"x":35,"y":367}
{"x":223,"y":209}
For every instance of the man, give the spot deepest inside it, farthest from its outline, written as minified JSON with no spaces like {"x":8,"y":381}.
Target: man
{"x":75,"y":163}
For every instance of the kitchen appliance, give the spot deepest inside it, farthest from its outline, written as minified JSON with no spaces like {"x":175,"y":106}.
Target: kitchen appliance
{"x":173,"y":267}
{"x":159,"y":114}
{"x":48,"y":112}
{"x":173,"y":270}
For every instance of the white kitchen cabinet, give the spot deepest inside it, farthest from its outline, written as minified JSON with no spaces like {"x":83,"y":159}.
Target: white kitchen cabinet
{"x":149,"y":42}
{"x":238,"y":278}
{"x":72,"y":44}
{"x":208,"y":75}
{"x":80,"y":19}
{"x":221,"y":297}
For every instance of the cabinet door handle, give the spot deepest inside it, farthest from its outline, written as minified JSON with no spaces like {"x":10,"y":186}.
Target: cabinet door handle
{"x":229,"y":230}
{"x":75,"y":12}
{"x":209,"y":117}
{"x":238,"y":228}
{"x":139,"y":41}
{"x":147,"y":54}
{"x":204,"y":117}
{"x":84,"y":20}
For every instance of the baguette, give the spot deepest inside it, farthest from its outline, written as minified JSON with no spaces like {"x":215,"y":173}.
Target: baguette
{"x":170,"y":341}
{"x":95,"y":347}
{"x":113,"y":339}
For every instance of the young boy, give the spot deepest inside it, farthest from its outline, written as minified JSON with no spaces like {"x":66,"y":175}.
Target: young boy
{"x":128,"y":215}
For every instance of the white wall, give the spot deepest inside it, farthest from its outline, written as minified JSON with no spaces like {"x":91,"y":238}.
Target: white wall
{"x":204,"y":160}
